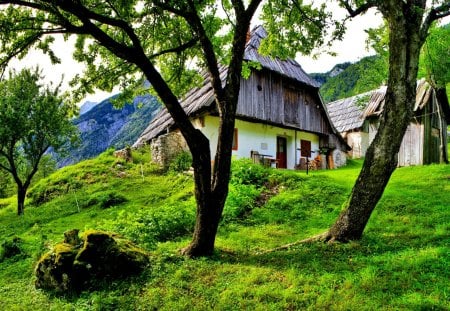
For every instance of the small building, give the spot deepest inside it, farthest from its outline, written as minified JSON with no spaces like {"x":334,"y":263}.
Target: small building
{"x":281,"y":119}
{"x":425,"y":140}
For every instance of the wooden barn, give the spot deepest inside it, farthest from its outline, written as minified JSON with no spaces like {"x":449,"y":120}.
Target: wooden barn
{"x":425,"y":140}
{"x":281,"y":119}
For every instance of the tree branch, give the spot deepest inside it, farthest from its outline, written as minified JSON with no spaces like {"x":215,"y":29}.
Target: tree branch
{"x":194,"y":21}
{"x":435,"y":14}
{"x":18,"y":50}
{"x":359,"y":10}
{"x":177,"y":49}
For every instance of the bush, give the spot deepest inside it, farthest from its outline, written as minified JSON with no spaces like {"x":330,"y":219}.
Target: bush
{"x":11,"y":248}
{"x":240,"y":201}
{"x":106,"y":200}
{"x":182,"y":162}
{"x":244,"y":172}
{"x":151,"y":225}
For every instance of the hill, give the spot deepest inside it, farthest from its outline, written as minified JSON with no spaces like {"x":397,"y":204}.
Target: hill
{"x":103,"y":126}
{"x":347,"y":79}
{"x":400,"y":264}
{"x":322,"y":78}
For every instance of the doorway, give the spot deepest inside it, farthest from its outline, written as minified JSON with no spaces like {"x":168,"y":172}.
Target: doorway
{"x":281,"y":152}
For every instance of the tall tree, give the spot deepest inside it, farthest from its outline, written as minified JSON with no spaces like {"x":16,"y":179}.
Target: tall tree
{"x":408,"y":23}
{"x":32,"y":118}
{"x":119,"y":39}
{"x":167,"y":42}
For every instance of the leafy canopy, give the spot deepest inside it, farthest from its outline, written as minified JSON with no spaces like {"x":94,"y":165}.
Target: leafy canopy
{"x":33,"y":118}
{"x":157,"y":26}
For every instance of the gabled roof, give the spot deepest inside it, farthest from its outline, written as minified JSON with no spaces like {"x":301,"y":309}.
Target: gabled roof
{"x":195,"y":100}
{"x":202,"y":97}
{"x":349,"y":113}
{"x":288,"y":68}
{"x":346,"y":113}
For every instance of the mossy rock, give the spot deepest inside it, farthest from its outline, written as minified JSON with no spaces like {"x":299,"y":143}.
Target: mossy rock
{"x":99,"y":256}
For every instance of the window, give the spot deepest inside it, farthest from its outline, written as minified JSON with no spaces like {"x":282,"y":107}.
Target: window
{"x":235,"y":140}
{"x":305,"y":148}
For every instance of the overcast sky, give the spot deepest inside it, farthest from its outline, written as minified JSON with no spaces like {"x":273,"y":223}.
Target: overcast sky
{"x":352,"y":48}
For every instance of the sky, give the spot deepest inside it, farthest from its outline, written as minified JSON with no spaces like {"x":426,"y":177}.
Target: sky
{"x":351,"y":49}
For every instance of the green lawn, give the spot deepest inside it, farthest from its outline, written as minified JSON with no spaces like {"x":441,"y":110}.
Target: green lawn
{"x":402,"y":262}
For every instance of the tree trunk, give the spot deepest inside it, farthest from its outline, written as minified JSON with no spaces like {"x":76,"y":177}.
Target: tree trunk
{"x":382,"y":156}
{"x":211,"y":191}
{"x":21,"y":193}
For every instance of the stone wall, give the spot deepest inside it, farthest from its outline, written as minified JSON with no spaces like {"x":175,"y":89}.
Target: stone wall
{"x":339,"y":158}
{"x":166,"y":147}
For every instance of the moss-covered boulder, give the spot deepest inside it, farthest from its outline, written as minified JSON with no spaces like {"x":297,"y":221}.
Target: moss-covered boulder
{"x":77,"y":263}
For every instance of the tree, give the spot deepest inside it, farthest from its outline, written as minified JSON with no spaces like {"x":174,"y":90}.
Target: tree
{"x":434,"y":62}
{"x":32,"y":118}
{"x":409,"y":23}
{"x":119,"y":39}
{"x":408,"y":27}
{"x":164,"y":41}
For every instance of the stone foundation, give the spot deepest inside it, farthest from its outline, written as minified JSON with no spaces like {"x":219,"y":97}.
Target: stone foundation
{"x":166,"y":147}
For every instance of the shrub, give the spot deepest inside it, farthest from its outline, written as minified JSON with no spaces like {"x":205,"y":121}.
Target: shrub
{"x":240,"y":201}
{"x":244,"y":172}
{"x":106,"y":200}
{"x":151,"y":225}
{"x":182,"y":162}
{"x":11,"y":248}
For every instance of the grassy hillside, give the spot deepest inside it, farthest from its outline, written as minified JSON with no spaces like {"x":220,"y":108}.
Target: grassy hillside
{"x":400,"y":264}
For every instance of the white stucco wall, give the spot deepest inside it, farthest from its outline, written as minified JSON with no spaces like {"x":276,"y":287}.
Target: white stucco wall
{"x":261,"y":138}
{"x":359,"y":142}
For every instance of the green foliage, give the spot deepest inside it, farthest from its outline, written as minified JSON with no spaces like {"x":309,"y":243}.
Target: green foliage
{"x":106,"y":199}
{"x":6,"y":184}
{"x":32,"y":118}
{"x":11,"y":248}
{"x":362,"y":76}
{"x":297,"y":27}
{"x":240,"y":201}
{"x":149,"y":226}
{"x":247,"y":68}
{"x":244,"y":172}
{"x":404,"y":248}
{"x":435,"y":57}
{"x":181,"y":163}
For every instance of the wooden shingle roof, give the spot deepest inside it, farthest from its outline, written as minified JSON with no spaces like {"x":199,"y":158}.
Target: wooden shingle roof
{"x":198,"y":98}
{"x":288,"y":68}
{"x":346,"y":114}
{"x":349,"y":113}
{"x":202,"y":97}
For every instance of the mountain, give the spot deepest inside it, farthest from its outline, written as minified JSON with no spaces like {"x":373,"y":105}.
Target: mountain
{"x":87,"y":106}
{"x":349,"y":79}
{"x":322,"y":78}
{"x":104,"y":126}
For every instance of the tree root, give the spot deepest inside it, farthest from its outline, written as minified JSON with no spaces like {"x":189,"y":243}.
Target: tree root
{"x":322,"y":237}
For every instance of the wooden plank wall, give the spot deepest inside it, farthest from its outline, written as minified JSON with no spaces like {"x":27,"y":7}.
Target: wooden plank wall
{"x":411,"y":149}
{"x":267,"y":96}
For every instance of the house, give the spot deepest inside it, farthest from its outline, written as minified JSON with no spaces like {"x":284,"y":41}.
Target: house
{"x":281,"y":119}
{"x":425,"y":140}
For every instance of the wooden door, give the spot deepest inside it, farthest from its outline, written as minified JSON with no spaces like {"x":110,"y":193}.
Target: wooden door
{"x":281,"y":152}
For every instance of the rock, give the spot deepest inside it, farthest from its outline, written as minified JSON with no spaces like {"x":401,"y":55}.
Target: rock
{"x":100,"y":256}
{"x":71,"y":237}
{"x":124,"y":154}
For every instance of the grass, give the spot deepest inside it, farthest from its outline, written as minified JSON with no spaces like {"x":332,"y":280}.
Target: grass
{"x":400,"y":264}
